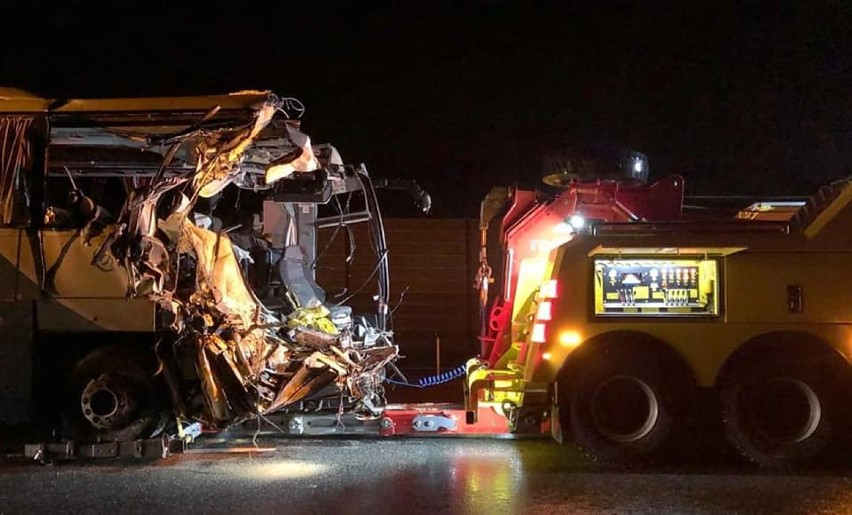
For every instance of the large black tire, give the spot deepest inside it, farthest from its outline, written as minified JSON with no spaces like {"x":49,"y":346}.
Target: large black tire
{"x":114,"y":394}
{"x":784,"y":414}
{"x":561,"y":166}
{"x":622,"y":409}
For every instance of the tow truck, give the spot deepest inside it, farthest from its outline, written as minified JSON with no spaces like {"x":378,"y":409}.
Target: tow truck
{"x":147,"y":317}
{"x":621,"y":315}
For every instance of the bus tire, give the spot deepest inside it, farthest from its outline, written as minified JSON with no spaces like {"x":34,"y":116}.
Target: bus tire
{"x":114,"y":395}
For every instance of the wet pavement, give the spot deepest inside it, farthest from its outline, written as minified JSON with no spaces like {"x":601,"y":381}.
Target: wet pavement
{"x":437,"y":475}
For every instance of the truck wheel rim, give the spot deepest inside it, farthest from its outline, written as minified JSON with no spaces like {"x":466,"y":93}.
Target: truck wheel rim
{"x":785,"y":411}
{"x":106,"y":402}
{"x":625,"y":408}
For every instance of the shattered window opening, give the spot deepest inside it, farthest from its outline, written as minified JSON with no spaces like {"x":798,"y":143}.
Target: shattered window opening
{"x":15,"y":156}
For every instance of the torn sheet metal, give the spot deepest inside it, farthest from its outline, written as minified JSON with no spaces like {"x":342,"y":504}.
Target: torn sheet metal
{"x":230,"y":357}
{"x":301,"y":159}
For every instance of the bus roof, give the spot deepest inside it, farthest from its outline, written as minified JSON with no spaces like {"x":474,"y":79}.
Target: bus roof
{"x":17,"y":101}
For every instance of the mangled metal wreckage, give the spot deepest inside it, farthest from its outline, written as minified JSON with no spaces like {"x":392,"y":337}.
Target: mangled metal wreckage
{"x":223,"y":356}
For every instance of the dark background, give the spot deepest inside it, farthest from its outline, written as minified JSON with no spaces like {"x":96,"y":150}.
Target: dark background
{"x":754,"y":99}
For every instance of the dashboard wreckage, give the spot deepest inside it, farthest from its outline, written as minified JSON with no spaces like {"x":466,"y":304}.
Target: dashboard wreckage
{"x":215,"y":351}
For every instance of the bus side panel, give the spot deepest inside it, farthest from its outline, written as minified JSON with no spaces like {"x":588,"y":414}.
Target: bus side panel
{"x":79,"y":296}
{"x":16,"y":342}
{"x":16,"y":362}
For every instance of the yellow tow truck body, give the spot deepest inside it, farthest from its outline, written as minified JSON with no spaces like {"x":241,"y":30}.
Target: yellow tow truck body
{"x":707,"y":304}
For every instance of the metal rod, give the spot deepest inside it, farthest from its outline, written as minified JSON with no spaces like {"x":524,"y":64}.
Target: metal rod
{"x":349,"y":218}
{"x":437,"y":353}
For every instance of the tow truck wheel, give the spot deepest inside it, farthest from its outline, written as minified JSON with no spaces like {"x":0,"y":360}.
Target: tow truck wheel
{"x":114,"y":396}
{"x":781,"y":415}
{"x":621,"y":410}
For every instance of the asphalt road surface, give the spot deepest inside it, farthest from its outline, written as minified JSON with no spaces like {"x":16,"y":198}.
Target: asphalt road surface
{"x":406,"y":476}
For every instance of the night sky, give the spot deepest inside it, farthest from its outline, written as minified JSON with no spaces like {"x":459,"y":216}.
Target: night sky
{"x":749,"y":100}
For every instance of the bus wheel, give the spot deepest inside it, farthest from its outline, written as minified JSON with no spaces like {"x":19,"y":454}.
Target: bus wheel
{"x":781,"y":415}
{"x":114,"y":396}
{"x":621,"y":410}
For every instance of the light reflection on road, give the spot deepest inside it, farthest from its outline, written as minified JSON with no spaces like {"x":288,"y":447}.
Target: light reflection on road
{"x":408,"y":476}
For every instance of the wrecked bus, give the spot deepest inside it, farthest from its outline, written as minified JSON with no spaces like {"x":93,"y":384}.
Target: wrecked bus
{"x":129,"y":304}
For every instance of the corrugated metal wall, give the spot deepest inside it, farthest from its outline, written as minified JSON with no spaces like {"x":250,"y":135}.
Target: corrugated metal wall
{"x":435,"y":259}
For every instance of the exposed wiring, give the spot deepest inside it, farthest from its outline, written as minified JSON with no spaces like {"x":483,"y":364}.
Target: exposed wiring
{"x":291,"y":107}
{"x":339,"y":417}
{"x":399,"y":303}
{"x":382,"y":256}
{"x":70,"y":177}
{"x":260,"y":418}
{"x":402,"y":383}
{"x":342,"y":212}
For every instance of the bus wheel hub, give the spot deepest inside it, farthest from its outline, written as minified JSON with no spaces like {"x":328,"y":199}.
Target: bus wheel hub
{"x":107,"y":402}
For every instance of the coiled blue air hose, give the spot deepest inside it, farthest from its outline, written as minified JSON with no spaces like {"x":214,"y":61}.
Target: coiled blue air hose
{"x":433,"y":380}
{"x":445,"y":377}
